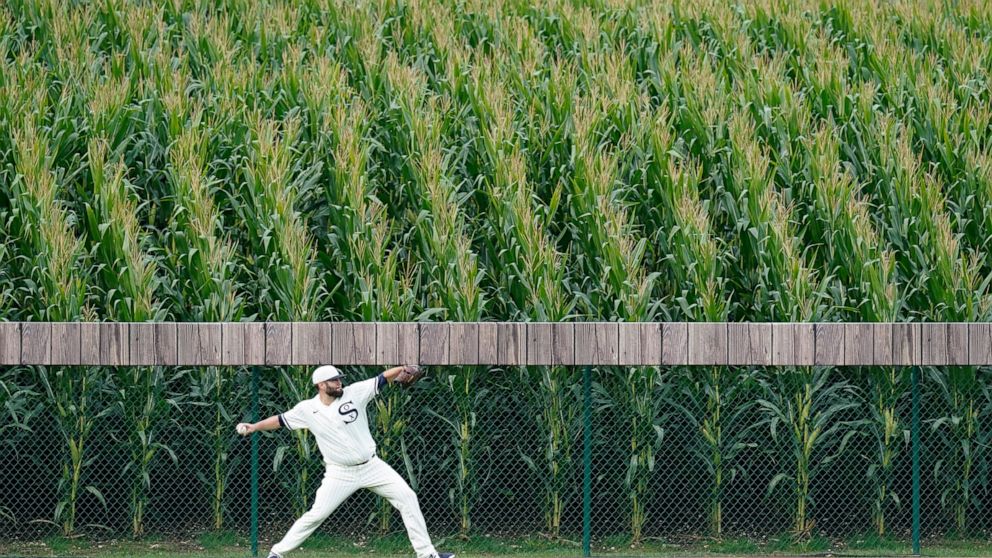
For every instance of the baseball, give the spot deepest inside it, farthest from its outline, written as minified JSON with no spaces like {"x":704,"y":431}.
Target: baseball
{"x":242,"y":429}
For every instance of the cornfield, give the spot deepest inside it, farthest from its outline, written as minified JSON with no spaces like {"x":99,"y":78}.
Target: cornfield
{"x":501,"y":160}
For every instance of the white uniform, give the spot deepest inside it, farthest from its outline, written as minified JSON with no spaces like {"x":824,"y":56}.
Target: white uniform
{"x":342,"y":433}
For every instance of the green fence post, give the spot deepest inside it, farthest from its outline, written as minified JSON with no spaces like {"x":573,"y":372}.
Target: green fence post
{"x":916,"y":460}
{"x":587,"y":463}
{"x":254,"y":463}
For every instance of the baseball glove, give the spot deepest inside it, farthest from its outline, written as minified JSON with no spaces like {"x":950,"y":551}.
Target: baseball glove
{"x":410,"y":375}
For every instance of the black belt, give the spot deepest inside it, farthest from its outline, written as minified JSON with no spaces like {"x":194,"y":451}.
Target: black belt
{"x":356,"y":464}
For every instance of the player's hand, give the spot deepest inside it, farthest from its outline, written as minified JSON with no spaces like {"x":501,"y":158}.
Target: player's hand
{"x":244,"y":428}
{"x":409,"y":375}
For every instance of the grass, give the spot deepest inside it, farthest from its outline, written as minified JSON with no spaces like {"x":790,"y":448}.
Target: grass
{"x":227,"y":544}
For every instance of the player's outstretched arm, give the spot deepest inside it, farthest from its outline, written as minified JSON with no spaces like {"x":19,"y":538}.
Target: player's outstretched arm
{"x":246,"y":428}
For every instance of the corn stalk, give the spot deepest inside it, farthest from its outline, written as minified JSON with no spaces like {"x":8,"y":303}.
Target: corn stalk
{"x":533,"y":278}
{"x":944,"y":282}
{"x":836,"y":211}
{"x":22,"y":406}
{"x":447,"y":260}
{"x":953,"y":287}
{"x":814,"y":410}
{"x":129,"y":277}
{"x":855,"y":247}
{"x":868,"y":269}
{"x":696,"y":260}
{"x":284,"y":269}
{"x":55,"y":275}
{"x":608,"y":249}
{"x":202,"y":267}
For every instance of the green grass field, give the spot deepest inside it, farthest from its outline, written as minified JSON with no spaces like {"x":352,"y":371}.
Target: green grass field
{"x":229,"y":545}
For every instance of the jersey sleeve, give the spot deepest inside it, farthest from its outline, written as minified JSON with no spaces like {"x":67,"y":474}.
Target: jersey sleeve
{"x":364,"y":391}
{"x":295,"y":418}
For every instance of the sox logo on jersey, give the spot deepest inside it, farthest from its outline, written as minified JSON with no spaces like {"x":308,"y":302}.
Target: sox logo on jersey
{"x":348,"y":410}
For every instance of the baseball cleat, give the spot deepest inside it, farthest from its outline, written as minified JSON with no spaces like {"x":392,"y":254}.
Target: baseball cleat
{"x":445,"y":555}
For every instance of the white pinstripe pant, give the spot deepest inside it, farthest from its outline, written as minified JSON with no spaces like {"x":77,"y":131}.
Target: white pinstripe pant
{"x":341,"y":482}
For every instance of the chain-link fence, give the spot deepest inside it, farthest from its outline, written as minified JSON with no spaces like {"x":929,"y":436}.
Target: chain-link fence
{"x":676,"y":454}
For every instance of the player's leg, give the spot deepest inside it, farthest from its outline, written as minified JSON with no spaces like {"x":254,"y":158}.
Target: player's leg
{"x":334,"y":489}
{"x":380,"y":478}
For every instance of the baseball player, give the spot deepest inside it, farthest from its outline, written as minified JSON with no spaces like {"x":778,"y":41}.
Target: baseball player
{"x":336,"y":418}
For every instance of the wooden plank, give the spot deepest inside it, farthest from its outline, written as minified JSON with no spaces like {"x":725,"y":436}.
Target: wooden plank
{"x":199,"y":343}
{"x":387,"y":343}
{"x":957,"y":343}
{"x":674,"y":343}
{"x":65,"y":343}
{"x":607,"y":343}
{"x":859,"y":343}
{"x":209,"y":337}
{"x":36,"y":343}
{"x":539,"y":343}
{"x":464,"y":340}
{"x":410,"y":343}
{"x":397,"y":343}
{"x":585,"y":343}
{"x":760,"y":350}
{"x":640,"y":343}
{"x":650,"y":343}
{"x":313,"y":343}
{"x":354,"y":343}
{"x":511,"y":344}
{"x":906,"y":344}
{"x":828,"y":339}
{"x":10,"y":343}
{"x":563,"y":343}
{"x":934,"y":340}
{"x":738,"y":343}
{"x":114,"y":344}
{"x":882,"y":348}
{"x":89,"y":343}
{"x":278,"y":343}
{"x":364,"y":339}
{"x":980,"y":344}
{"x":166,"y":344}
{"x":141,"y":343}
{"x":804,"y":351}
{"x":254,"y":343}
{"x":232,"y":340}
{"x":488,"y":343}
{"x":188,"y":338}
{"x":783,"y":344}
{"x":708,"y":343}
{"x":749,"y":344}
{"x":435,"y":343}
{"x":630,"y":344}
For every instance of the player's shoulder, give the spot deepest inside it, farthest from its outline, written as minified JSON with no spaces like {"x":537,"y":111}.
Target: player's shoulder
{"x":350,"y":388}
{"x":361,"y":384}
{"x":306,"y":403}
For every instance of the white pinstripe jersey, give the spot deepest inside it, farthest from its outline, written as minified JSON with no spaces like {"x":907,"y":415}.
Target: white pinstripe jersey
{"x":341,"y":428}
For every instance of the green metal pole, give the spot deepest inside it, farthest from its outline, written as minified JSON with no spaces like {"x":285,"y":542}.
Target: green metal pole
{"x":587,"y":463}
{"x":916,"y":460}
{"x":254,"y":463}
